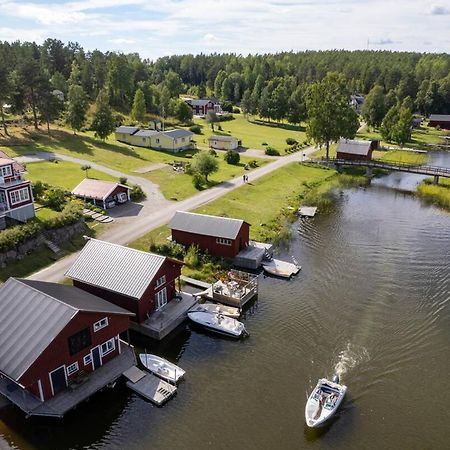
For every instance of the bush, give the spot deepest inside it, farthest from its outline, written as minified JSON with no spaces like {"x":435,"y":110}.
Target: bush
{"x":291,"y":141}
{"x":38,"y":189}
{"x":171,"y":249}
{"x":72,"y":213}
{"x":12,"y":237}
{"x":272,"y":151}
{"x":225,"y":117}
{"x":137,"y":193}
{"x":193,"y":258}
{"x":264,"y":143}
{"x":232,"y":157}
{"x":213,"y":152}
{"x":195,"y":129}
{"x":253,"y":163}
{"x":198,"y":180}
{"x":123,"y":180}
{"x":55,"y":198}
{"x":236,"y":110}
{"x":227,"y":106}
{"x":219,"y":127}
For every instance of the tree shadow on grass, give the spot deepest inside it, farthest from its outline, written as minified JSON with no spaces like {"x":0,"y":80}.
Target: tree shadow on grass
{"x":284,"y":126}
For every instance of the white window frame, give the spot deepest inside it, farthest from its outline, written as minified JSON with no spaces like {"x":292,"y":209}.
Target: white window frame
{"x":6,"y":171}
{"x":19,"y":196}
{"x":101,"y":324}
{"x":161,"y":295}
{"x":72,"y":368}
{"x":110,"y":347}
{"x":160,"y":281}
{"x":87,"y":359}
{"x":223,"y":241}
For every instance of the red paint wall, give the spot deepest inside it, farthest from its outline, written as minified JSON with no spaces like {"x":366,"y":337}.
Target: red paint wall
{"x":57,"y":353}
{"x":16,"y":188}
{"x":209,"y":243}
{"x":441,"y":123}
{"x":118,"y":190}
{"x":146,"y":304}
{"x":352,"y":157}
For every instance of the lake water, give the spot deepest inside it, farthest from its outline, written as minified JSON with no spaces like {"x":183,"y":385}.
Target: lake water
{"x":372,"y":302}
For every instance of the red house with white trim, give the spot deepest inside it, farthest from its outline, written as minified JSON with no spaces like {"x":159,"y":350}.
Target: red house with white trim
{"x":50,"y":335}
{"x":219,"y":236}
{"x":138,"y":281}
{"x":16,"y":196}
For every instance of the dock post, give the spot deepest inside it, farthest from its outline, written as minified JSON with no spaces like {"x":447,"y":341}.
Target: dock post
{"x":436,"y":179}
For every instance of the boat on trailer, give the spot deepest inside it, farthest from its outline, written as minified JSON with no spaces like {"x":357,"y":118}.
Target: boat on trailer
{"x":218,"y":323}
{"x":324,"y":401}
{"x":161,"y":367}
{"x":217,"y":308}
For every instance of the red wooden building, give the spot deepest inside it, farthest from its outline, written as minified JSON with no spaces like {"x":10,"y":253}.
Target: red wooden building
{"x":138,"y":281}
{"x":441,"y":120}
{"x":353,"y":149}
{"x":201,"y":107}
{"x":50,"y":334}
{"x":219,"y":236}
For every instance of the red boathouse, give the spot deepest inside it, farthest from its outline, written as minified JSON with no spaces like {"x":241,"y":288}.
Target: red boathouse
{"x":353,"y":149}
{"x":219,"y":236}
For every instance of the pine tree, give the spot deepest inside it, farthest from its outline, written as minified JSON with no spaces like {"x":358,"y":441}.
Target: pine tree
{"x":76,"y":108}
{"x":103,"y":122}
{"x":139,"y":107}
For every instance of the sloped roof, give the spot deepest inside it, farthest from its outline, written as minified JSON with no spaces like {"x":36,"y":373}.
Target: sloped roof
{"x":215,"y":137}
{"x":440,"y":117}
{"x":96,"y":189}
{"x":33,"y":313}
{"x":17,"y":167}
{"x":207,"y":225}
{"x":177,"y":133}
{"x":115,"y":268}
{"x":126,"y":130}
{"x":146,"y":133}
{"x":354,"y":147}
{"x":199,"y":102}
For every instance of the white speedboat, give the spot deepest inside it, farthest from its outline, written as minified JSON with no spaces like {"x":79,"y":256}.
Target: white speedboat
{"x":281,"y":268}
{"x":161,"y":367}
{"x":324,"y":401}
{"x":218,"y":323}
{"x":216,"y":308}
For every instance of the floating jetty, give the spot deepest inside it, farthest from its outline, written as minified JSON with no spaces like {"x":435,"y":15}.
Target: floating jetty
{"x":307,"y":211}
{"x":149,"y":386}
{"x":281,"y":268}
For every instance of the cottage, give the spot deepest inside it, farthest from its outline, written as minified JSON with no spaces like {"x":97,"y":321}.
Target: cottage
{"x":441,"y":120}
{"x":219,"y":236}
{"x":223,"y":142}
{"x":138,"y":281}
{"x":201,"y":107}
{"x":16,"y":197}
{"x":105,"y":194}
{"x":142,"y":138}
{"x":54,"y":337}
{"x":353,"y":149}
{"x":173,"y":141}
{"x":124,"y":133}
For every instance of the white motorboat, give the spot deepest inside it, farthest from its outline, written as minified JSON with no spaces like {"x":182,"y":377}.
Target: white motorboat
{"x":324,"y":401}
{"x":161,"y":367}
{"x":281,"y":269}
{"x":218,"y":323}
{"x":216,"y":308}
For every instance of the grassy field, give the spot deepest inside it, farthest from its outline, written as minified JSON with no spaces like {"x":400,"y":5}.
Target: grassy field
{"x":402,"y":156}
{"x":175,"y":185}
{"x":438,"y":195}
{"x":62,"y":174}
{"x":253,"y":133}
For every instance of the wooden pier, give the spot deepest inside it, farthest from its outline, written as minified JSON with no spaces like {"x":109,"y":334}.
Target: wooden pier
{"x":149,"y":386}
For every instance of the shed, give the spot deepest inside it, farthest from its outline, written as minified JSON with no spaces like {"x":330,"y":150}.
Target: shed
{"x":441,"y":120}
{"x":138,"y":281}
{"x":219,"y":236}
{"x":355,"y":149}
{"x":223,"y":142}
{"x":105,"y":194}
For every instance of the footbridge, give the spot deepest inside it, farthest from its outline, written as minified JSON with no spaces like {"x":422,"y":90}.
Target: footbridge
{"x":431,"y":171}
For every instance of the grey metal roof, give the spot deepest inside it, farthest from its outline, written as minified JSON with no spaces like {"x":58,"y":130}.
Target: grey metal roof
{"x":146,"y":133}
{"x":440,"y":117}
{"x":115,"y":268}
{"x":33,"y":313}
{"x":178,"y":133}
{"x":215,"y":137}
{"x":127,"y":130}
{"x":354,"y":147}
{"x":207,"y":225}
{"x":199,"y":102}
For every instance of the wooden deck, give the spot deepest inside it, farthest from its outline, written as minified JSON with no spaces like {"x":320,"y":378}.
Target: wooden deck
{"x":63,"y":402}
{"x":162,"y":322}
{"x":153,"y":388}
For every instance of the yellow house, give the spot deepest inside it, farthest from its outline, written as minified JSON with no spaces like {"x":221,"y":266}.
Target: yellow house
{"x":173,"y":140}
{"x":223,"y":142}
{"x":124,"y":134}
{"x":142,"y":138}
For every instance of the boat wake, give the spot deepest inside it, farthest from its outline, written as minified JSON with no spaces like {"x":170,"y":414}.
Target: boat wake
{"x":350,"y":357}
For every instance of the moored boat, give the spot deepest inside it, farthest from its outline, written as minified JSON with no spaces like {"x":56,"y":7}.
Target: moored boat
{"x":281,"y":268}
{"x":218,"y":323}
{"x":217,"y":308}
{"x":324,"y":401}
{"x":161,"y":367}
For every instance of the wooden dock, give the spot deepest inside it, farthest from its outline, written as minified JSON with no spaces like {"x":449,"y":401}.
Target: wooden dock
{"x":150,"y":386}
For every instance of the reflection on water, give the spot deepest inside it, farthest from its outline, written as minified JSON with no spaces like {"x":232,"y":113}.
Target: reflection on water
{"x":371,"y":302}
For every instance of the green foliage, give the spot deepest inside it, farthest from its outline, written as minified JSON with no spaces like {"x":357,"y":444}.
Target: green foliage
{"x":183,"y":112}
{"x":71,"y":213}
{"x":137,"y":194}
{"x":205,"y":164}
{"x":198,"y":180}
{"x":438,"y":195}
{"x":232,"y":157}
{"x":396,"y":125}
{"x":38,"y":190}
{"x":54,"y":198}
{"x":123,"y":180}
{"x":271,"y":151}
{"x":170,"y":249}
{"x":103,"y":122}
{"x":195,"y":129}
{"x":211,"y":118}
{"x":374,"y":108}
{"x":213,"y":152}
{"x":86,"y":168}
{"x":139,"y":108}
{"x":291,"y":141}
{"x":193,"y":257}
{"x":76,"y":107}
{"x":12,"y":237}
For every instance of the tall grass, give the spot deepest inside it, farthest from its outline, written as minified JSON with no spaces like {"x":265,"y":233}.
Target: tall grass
{"x":438,"y":195}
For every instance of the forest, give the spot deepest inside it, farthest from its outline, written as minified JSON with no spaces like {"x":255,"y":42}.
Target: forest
{"x":273,"y":86}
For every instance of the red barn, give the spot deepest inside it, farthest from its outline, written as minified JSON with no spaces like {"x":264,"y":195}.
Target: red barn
{"x":441,"y":120}
{"x":138,"y":281}
{"x":50,"y":335}
{"x":219,"y":236}
{"x":353,"y":149}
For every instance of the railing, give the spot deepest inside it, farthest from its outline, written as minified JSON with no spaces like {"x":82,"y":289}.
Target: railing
{"x":391,"y":165}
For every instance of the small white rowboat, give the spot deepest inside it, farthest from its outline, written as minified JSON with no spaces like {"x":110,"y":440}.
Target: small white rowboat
{"x":218,"y":323}
{"x":161,"y":367}
{"x":324,"y":401}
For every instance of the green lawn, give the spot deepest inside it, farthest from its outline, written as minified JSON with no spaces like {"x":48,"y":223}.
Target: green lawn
{"x":63,"y":174}
{"x":175,"y":185}
{"x":402,"y":156}
{"x":253,"y":133}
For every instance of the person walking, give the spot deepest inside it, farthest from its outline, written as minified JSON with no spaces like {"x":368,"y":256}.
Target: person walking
{"x":243,"y":177}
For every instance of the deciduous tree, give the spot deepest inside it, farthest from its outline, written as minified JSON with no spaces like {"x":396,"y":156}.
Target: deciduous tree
{"x":205,"y":164}
{"x":103,"y":122}
{"x":139,"y":108}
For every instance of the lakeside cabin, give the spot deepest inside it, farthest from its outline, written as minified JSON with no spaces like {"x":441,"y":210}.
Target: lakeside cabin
{"x":440,"y":120}
{"x":105,"y":194}
{"x":219,"y":236}
{"x":223,"y":142}
{"x":356,"y":149}
{"x":58,"y":345}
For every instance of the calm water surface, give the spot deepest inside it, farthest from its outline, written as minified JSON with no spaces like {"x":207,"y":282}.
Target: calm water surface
{"x":371,"y":302}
